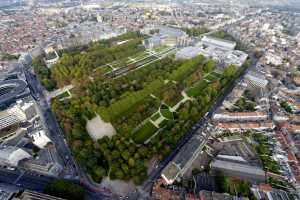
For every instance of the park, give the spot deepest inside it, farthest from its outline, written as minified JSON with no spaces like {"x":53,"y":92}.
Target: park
{"x":148,"y":98}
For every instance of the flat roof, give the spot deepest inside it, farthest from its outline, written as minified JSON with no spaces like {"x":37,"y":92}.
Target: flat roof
{"x":238,"y":167}
{"x":209,"y":38}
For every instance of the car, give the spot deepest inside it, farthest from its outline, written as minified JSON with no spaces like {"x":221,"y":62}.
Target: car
{"x":11,"y":168}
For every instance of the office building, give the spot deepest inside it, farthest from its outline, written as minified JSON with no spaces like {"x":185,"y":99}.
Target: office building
{"x":30,"y":195}
{"x":220,"y":50}
{"x":167,"y":36}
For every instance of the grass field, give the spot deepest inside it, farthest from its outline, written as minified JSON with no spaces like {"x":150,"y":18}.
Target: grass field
{"x":167,"y":114}
{"x":210,"y":77}
{"x":144,"y":132}
{"x":155,"y":116}
{"x":163,"y":123}
{"x":216,"y":74}
{"x":106,"y":69}
{"x":161,"y":49}
{"x":63,"y":95}
{"x":148,"y":129}
{"x":197,"y":89}
{"x":200,"y":86}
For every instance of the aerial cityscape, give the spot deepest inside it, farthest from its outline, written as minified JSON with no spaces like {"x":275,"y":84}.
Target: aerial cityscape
{"x":149,"y":100}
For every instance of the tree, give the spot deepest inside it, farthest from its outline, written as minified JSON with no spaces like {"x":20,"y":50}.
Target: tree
{"x":99,"y":172}
{"x":209,"y":66}
{"x":115,"y":154}
{"x":119,"y":174}
{"x":65,"y":189}
{"x":131,"y":162}
{"x":229,"y":71}
{"x":125,"y":155}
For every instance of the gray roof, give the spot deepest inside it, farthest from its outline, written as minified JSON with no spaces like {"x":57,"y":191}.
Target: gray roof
{"x":237,"y":167}
{"x":221,"y":43}
{"x":187,"y":153}
{"x":165,"y":31}
{"x":188,"y":150}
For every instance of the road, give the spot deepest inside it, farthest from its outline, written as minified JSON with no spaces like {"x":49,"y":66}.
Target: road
{"x":51,"y":123}
{"x":23,"y":179}
{"x":72,"y":171}
{"x":196,"y":129}
{"x":36,"y":182}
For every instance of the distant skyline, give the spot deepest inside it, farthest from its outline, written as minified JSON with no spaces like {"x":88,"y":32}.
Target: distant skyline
{"x":293,"y":3}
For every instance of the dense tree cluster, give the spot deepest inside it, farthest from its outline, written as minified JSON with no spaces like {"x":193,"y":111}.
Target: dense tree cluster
{"x":73,"y":67}
{"x":43,"y":73}
{"x":223,"y":35}
{"x":234,"y":187}
{"x":265,"y":153}
{"x":65,"y":189}
{"x":196,"y":31}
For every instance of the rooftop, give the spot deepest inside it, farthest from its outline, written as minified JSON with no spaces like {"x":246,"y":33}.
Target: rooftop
{"x":221,"y":43}
{"x":12,"y":155}
{"x":237,"y":167}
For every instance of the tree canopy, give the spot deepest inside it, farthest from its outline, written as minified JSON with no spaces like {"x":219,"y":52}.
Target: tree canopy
{"x":65,"y":190}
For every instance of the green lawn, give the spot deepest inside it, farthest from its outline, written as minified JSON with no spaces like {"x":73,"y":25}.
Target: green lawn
{"x":211,"y":78}
{"x":144,"y":133}
{"x":197,"y":89}
{"x":106,"y":69}
{"x":167,"y":113}
{"x":140,"y":55}
{"x":216,"y":74}
{"x":160,"y":49}
{"x":63,"y":95}
{"x":163,"y":123}
{"x":155,"y":116}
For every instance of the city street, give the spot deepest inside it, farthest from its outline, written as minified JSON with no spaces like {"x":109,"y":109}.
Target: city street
{"x":72,"y":171}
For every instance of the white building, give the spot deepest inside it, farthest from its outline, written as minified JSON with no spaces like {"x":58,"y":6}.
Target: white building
{"x":273,"y":59}
{"x":167,"y":36}
{"x":240,"y":116}
{"x":236,"y":126}
{"x":40,"y":139}
{"x":188,"y":52}
{"x":217,"y":49}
